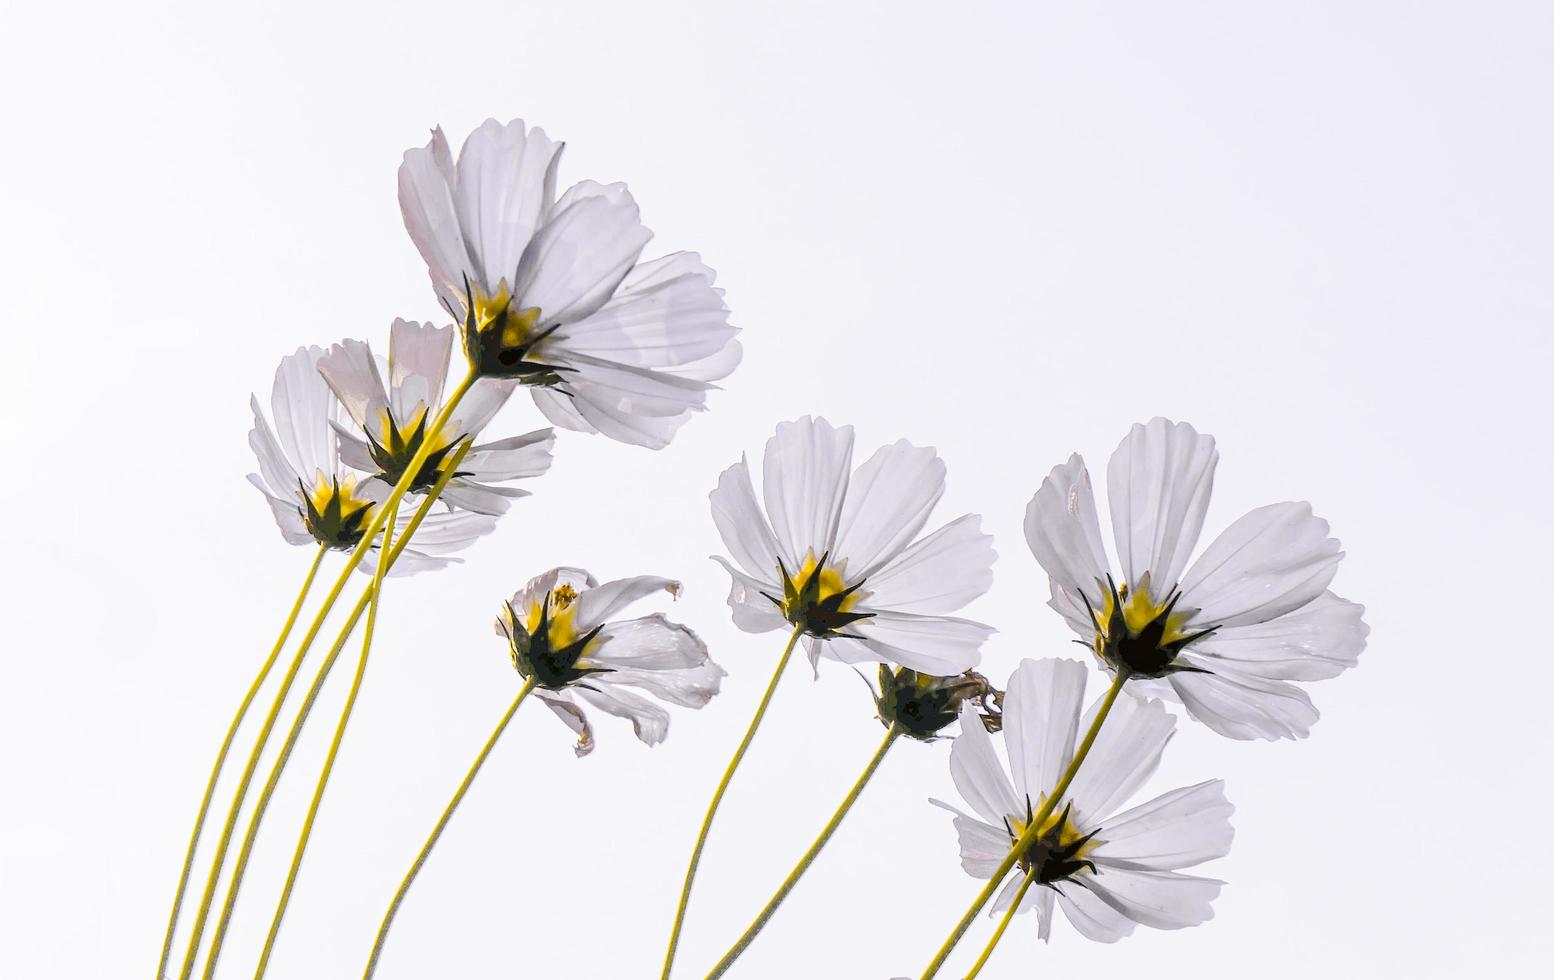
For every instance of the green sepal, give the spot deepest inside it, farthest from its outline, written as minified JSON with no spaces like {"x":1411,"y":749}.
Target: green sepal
{"x":533,"y":656}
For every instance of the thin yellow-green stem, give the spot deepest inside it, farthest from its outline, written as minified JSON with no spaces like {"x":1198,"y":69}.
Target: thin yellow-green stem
{"x":717,"y":798}
{"x":334,"y":750}
{"x":987,"y":951}
{"x":809,"y":857}
{"x":221,"y":759}
{"x":1031,"y":829}
{"x":369,"y":534}
{"x":442,"y":822}
{"x":240,"y":865}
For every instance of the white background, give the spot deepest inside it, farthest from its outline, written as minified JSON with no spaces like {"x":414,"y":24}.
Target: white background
{"x":1319,"y":231}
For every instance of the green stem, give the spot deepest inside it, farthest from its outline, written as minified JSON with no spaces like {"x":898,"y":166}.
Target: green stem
{"x":442,"y":822}
{"x":369,"y":534}
{"x":221,"y":760}
{"x":809,"y":858}
{"x":334,"y":750}
{"x":717,"y":797}
{"x":1003,"y":924}
{"x":1031,"y":829}
{"x":240,"y":866}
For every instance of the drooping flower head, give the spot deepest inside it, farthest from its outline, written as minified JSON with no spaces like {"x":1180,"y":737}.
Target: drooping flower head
{"x":315,"y":497}
{"x":391,"y":422}
{"x":560,"y":634}
{"x":550,"y":292}
{"x":922,"y":706}
{"x":1228,"y":634}
{"x":1109,"y":871}
{"x":837,"y":555}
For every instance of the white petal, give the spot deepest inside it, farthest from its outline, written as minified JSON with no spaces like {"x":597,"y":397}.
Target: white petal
{"x":1175,"y":830}
{"x":1272,"y":561}
{"x":505,"y":187}
{"x":585,"y":248}
{"x":713,"y":367}
{"x":1158,"y":899}
{"x":979,"y":777}
{"x":938,"y":574}
{"x":744,"y":529}
{"x":557,"y":407}
{"x":637,"y":406}
{"x":516,"y":458}
{"x":1321,"y":639}
{"x":426,"y":204}
{"x":485,"y":398}
{"x":648,"y":720}
{"x":603,"y":601}
{"x":1041,"y":719}
{"x":940,"y":645}
{"x":479,"y":498}
{"x":888,"y":501}
{"x":1242,"y":706}
{"x":1064,"y":532}
{"x":666,"y":313}
{"x":804,"y":481}
{"x":418,"y":366}
{"x":983,"y":846}
{"x":541,"y":585}
{"x":277,"y":474}
{"x":572,"y":716}
{"x":1158,"y":485}
{"x":352,"y":374}
{"x":1090,"y":915}
{"x":1125,"y":753}
{"x":665,"y":659}
{"x":288,"y":517}
{"x":747,"y":600}
{"x":303,"y":409}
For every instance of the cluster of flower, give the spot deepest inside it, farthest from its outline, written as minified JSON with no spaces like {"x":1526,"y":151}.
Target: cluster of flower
{"x":379,"y":458}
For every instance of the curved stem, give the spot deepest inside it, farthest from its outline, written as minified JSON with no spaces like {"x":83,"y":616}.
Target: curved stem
{"x":221,"y":759}
{"x":369,"y":534}
{"x":1032,"y":829}
{"x":442,"y":822}
{"x":717,"y":797}
{"x":1003,"y":924}
{"x":334,"y":750}
{"x":809,"y":857}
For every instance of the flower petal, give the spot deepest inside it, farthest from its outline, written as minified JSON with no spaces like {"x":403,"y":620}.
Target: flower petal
{"x":939,"y":645}
{"x":426,"y":204}
{"x":747,"y":600}
{"x":1041,"y":721}
{"x":888,"y":501}
{"x":506,"y":183}
{"x":665,"y":659}
{"x":352,"y":374}
{"x":1158,"y":485}
{"x":1270,"y":562}
{"x":1178,"y":829}
{"x":572,"y":716}
{"x":418,"y":366}
{"x":983,"y":846}
{"x":1093,"y":917}
{"x":603,"y":601}
{"x":938,"y":574}
{"x":1064,"y":532}
{"x":744,"y":529}
{"x":1319,"y":640}
{"x":978,"y":775}
{"x":1243,"y":706}
{"x":648,"y":720}
{"x":804,"y":481}
{"x":1125,"y":753}
{"x":666,"y":313}
{"x":574,"y":263}
{"x":1158,"y":899}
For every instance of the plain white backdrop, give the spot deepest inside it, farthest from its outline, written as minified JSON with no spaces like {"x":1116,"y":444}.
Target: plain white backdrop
{"x":1320,"y":231}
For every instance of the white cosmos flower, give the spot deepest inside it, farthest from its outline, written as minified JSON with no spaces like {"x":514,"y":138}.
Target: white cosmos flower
{"x":560,"y":633}
{"x":391,"y":421}
{"x":849,"y":538}
{"x":551,"y":291}
{"x":1226,"y":636}
{"x":1109,"y":871}
{"x":315,"y":498}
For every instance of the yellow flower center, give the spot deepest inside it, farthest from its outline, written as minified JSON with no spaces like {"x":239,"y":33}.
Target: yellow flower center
{"x":500,"y":312}
{"x":563,"y":616}
{"x":829,"y":581}
{"x":1139,"y":609}
{"x":327,"y":491}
